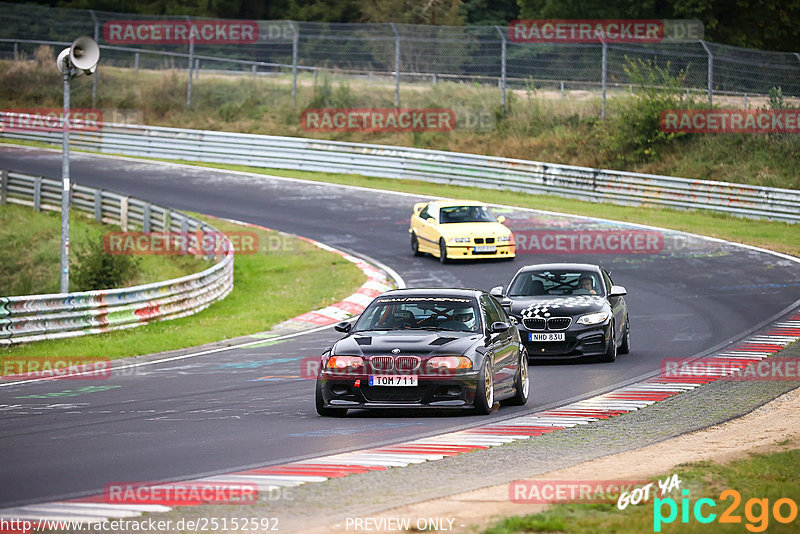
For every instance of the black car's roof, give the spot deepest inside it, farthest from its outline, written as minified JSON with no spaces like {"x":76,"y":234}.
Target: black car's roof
{"x":560,"y":267}
{"x":434,"y":292}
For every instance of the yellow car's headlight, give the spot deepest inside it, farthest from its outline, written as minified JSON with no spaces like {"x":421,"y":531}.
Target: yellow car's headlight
{"x":504,"y":239}
{"x":453,"y":240}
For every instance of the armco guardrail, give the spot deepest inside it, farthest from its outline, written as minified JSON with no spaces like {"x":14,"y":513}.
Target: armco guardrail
{"x":584,"y":183}
{"x":37,"y":317}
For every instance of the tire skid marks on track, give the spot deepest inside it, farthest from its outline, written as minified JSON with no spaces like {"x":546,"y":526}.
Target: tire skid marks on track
{"x":617,"y":402}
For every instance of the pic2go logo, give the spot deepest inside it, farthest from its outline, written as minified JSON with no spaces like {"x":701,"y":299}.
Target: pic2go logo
{"x":756,"y":511}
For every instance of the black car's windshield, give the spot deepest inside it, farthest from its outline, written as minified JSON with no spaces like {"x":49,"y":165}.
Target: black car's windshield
{"x":420,"y":313}
{"x":571,"y":282}
{"x":465,"y":214}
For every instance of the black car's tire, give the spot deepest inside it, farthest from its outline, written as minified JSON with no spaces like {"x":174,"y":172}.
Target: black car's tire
{"x":522,"y":383}
{"x":484,"y":393}
{"x":625,"y":348}
{"x":442,"y":251}
{"x":327,"y":412}
{"x":611,"y":352}
{"x":415,"y":245}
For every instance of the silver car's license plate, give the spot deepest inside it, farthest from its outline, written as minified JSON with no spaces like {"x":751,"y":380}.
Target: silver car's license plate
{"x":392,"y":380}
{"x":555,"y":336}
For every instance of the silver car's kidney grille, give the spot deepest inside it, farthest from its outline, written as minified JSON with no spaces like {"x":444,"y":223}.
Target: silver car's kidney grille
{"x":559,"y":323}
{"x":533,"y":323}
{"x":381,"y":364}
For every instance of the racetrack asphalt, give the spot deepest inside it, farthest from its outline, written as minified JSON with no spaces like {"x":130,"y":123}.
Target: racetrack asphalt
{"x":218,"y":412}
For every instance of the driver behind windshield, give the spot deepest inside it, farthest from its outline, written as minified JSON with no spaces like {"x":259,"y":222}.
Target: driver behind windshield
{"x":463,"y":319}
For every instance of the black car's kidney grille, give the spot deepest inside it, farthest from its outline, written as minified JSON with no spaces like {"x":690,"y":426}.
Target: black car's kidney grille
{"x":381,"y":364}
{"x":392,"y":394}
{"x":534,"y":323}
{"x":553,"y":323}
{"x":407,"y":363}
{"x":559,"y":323}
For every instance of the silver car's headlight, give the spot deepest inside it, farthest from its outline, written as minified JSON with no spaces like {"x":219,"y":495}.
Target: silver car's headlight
{"x":458,"y":240}
{"x":594,"y":318}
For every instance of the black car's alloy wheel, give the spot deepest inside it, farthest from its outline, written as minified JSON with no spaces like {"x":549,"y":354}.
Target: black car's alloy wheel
{"x":522,"y":383}
{"x":611,"y":351}
{"x":484,"y":393}
{"x":625,"y":348}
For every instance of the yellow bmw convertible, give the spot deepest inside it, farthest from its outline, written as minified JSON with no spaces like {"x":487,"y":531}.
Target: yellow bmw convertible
{"x":459,"y":230}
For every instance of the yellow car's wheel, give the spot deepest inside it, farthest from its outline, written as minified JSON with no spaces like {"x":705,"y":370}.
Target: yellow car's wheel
{"x":415,"y":245}
{"x":442,"y":251}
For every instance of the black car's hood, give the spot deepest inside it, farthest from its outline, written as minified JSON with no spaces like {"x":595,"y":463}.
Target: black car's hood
{"x":568,"y":305}
{"x":417,"y":342}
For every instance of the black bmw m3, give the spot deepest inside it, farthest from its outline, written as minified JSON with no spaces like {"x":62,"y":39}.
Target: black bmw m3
{"x":568,"y":311}
{"x":425,"y":348}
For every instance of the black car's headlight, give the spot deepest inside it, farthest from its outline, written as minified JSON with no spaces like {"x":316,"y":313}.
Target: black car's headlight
{"x":594,"y":318}
{"x":448,"y":363}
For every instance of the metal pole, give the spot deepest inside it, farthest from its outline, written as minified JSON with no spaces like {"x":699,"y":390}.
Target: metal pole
{"x":396,"y":65}
{"x":136,"y":62}
{"x":191,"y":57}
{"x":65,"y":187}
{"x":196,"y":69}
{"x":16,"y":51}
{"x":295,"y":45}
{"x":97,"y":40}
{"x":502,"y":69}
{"x":710,"y":74}
{"x":562,"y":88}
{"x":605,"y":72}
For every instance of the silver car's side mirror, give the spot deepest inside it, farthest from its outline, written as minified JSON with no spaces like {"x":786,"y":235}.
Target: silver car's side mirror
{"x":497,"y":292}
{"x":617,"y":291}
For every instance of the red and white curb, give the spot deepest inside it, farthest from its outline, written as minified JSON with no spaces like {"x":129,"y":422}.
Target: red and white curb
{"x":620,"y":401}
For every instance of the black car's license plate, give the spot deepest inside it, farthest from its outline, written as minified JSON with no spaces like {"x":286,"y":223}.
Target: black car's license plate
{"x":555,"y":336}
{"x":392,"y":380}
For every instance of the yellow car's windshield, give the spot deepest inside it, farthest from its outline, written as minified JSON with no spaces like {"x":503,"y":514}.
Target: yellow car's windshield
{"x":465,"y":214}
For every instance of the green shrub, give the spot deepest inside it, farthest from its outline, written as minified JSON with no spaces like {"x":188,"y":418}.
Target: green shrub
{"x":96,"y":269}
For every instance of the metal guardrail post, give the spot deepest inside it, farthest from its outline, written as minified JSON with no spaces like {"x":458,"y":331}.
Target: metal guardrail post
{"x":96,"y":74}
{"x":196,"y":69}
{"x":295,"y":45}
{"x":502,"y":69}
{"x":396,"y":65}
{"x":136,"y":62}
{"x":123,"y":213}
{"x":16,"y":51}
{"x":37,"y":193}
{"x":253,"y":69}
{"x":710,"y":74}
{"x":191,"y":62}
{"x":562,"y":88}
{"x":604,"y":76}
{"x":98,"y":205}
{"x":146,"y":217}
{"x":3,"y":186}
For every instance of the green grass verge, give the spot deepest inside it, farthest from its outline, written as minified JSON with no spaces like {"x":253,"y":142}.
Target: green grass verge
{"x":32,"y":241}
{"x":764,"y":476}
{"x":269,"y":287}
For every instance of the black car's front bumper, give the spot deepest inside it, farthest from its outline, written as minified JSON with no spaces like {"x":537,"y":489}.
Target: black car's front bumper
{"x":431,"y":391}
{"x":579,"y":341}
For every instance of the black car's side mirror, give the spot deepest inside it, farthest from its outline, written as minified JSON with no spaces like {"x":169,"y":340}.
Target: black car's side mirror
{"x":498,"y":327}
{"x":344,"y":326}
{"x":617,"y":291}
